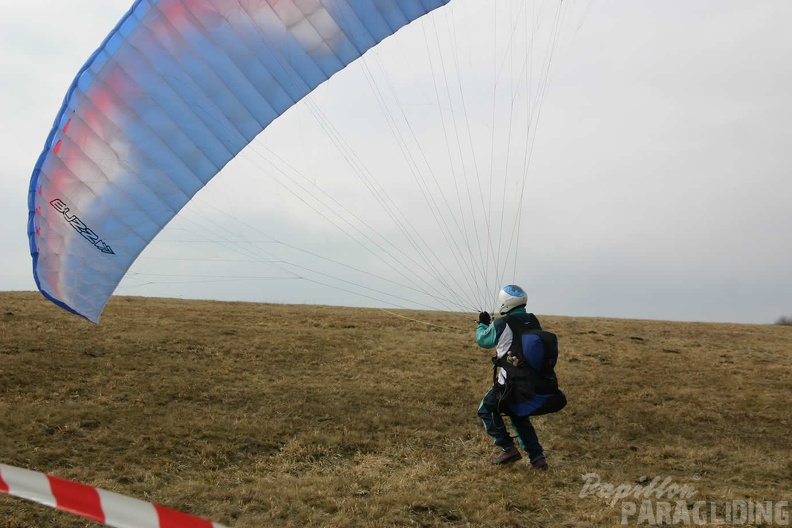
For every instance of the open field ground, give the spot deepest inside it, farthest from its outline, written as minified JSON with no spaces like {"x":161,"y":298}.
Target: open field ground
{"x":268,"y":415}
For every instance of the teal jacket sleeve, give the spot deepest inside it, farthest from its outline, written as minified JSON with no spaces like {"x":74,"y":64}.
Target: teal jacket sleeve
{"x":486,"y":336}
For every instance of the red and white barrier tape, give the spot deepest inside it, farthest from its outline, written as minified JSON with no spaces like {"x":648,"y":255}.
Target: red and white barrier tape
{"x":100,"y":505}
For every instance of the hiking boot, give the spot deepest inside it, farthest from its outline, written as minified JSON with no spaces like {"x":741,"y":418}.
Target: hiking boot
{"x":508,"y":456}
{"x":539,"y":463}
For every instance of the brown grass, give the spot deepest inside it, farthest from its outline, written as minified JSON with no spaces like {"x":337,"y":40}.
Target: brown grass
{"x":268,"y":415}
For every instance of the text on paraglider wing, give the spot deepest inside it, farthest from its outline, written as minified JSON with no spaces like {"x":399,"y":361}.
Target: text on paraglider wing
{"x":79,"y":226}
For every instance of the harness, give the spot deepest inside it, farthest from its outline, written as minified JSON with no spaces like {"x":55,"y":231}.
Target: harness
{"x":531,"y":384}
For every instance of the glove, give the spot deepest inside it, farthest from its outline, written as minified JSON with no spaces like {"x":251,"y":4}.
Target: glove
{"x":485,"y":318}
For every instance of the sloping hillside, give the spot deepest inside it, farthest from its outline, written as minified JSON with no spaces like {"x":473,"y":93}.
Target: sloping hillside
{"x":269,"y":415}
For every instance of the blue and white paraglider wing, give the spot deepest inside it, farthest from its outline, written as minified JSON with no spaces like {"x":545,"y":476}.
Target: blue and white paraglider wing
{"x":176,"y":90}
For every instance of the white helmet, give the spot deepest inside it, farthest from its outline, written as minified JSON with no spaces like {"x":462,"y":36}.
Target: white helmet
{"x":511,"y":297}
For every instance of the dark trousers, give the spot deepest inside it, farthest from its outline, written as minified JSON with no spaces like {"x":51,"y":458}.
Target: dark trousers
{"x":490,"y":413}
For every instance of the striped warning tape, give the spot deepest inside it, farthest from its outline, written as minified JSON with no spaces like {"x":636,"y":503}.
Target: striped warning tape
{"x":100,"y":505}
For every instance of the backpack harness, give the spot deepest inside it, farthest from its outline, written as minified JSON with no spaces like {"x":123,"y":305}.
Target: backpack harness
{"x":531,"y":383}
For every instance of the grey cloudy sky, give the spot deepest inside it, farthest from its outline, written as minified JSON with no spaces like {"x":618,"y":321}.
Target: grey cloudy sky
{"x":658,"y":185}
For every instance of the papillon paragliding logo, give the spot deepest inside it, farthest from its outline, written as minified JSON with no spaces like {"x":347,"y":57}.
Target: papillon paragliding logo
{"x":86,"y":232}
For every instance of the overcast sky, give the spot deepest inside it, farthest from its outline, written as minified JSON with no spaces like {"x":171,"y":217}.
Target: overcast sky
{"x":658,"y":185}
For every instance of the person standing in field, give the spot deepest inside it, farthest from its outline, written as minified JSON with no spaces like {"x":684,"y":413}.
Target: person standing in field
{"x":499,"y":335}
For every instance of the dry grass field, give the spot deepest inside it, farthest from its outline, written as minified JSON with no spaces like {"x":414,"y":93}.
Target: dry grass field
{"x":257,"y":415}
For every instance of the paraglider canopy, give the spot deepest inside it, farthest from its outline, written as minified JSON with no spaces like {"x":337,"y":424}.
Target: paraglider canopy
{"x":176,"y":91}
